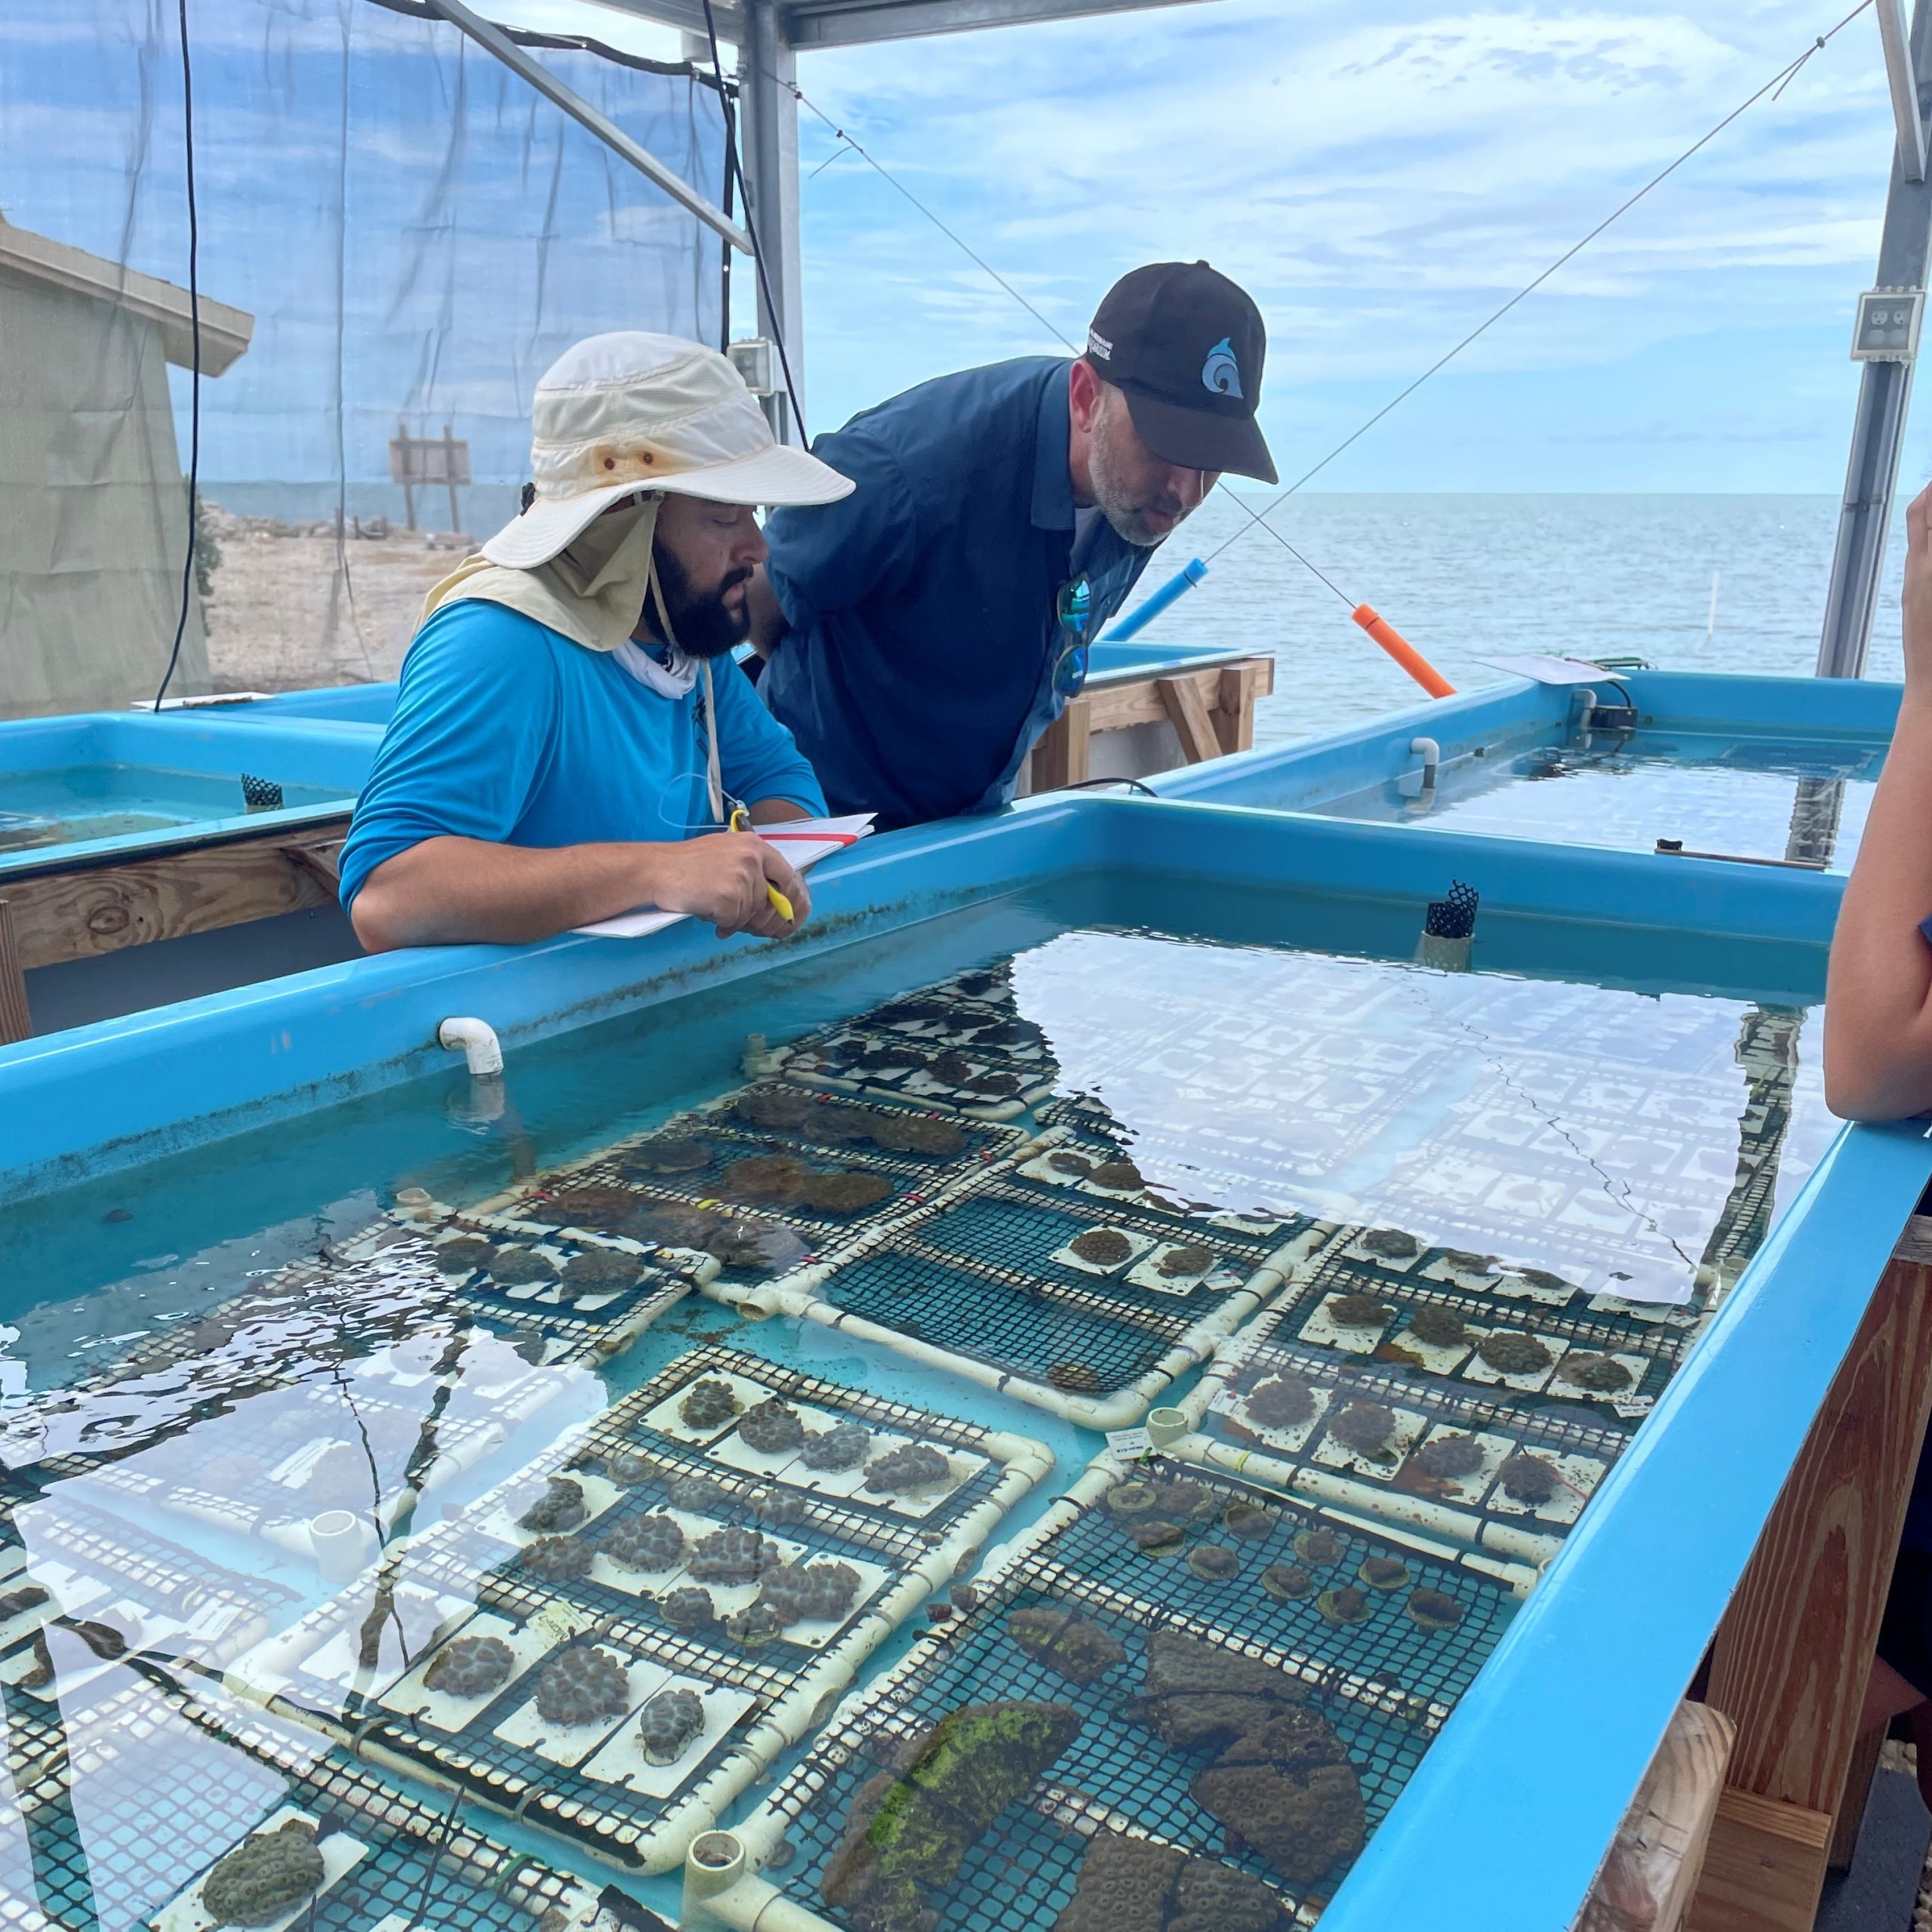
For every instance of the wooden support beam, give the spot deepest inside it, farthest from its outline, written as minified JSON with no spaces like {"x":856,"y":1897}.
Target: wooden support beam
{"x":1762,"y":1868}
{"x":1865,"y":1754}
{"x":60,"y":916}
{"x":1063,"y":754}
{"x":1211,"y":710}
{"x":1793,"y":1652}
{"x":15,"y":1023}
{"x":1652,"y":1869}
{"x":1234,"y":710}
{"x":1187,"y":712}
{"x":321,"y":858}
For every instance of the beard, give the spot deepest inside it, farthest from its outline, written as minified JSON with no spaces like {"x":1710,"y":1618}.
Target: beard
{"x":1124,"y":504}
{"x":704,"y":625}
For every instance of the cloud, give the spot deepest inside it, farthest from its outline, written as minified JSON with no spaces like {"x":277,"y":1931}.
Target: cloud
{"x":1381,"y":177}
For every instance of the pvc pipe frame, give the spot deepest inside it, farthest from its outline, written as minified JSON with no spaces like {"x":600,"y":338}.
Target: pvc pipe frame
{"x":732,"y":1894}
{"x":1525,"y":1551}
{"x":797,"y":1295}
{"x":1024,"y":1464}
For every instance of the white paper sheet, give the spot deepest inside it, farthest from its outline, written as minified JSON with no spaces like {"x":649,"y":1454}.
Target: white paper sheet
{"x":803,"y":841}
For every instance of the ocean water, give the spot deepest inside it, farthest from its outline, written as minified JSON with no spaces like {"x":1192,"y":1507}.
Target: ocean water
{"x":1465,"y":577}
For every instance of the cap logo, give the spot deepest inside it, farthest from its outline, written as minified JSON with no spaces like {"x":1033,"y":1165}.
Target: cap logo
{"x":1098,"y":345}
{"x":1221,"y":373}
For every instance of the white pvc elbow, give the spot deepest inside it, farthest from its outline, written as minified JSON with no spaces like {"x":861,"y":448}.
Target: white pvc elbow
{"x":476,"y":1041}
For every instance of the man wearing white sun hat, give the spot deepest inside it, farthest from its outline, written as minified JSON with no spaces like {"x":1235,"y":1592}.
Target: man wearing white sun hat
{"x":561,"y":751}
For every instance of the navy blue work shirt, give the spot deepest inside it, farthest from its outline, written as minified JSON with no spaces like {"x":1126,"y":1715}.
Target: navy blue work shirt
{"x":918,"y":670}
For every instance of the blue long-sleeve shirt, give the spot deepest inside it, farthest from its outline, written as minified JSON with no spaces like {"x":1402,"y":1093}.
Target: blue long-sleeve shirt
{"x":918,"y":669}
{"x":505,"y":731}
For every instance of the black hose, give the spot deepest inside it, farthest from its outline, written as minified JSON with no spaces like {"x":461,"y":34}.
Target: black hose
{"x":195,"y":382}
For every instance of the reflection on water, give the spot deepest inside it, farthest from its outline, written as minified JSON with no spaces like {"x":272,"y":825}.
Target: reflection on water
{"x":1755,"y":799}
{"x":1578,"y":1129}
{"x":84,"y":803}
{"x":459,"y":1522}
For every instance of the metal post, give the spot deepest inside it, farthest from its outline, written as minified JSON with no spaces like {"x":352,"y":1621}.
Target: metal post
{"x":1884,"y":389}
{"x":1897,"y":44}
{"x":493,"y":39}
{"x":449,"y":476}
{"x":408,"y":472}
{"x":768,"y":69}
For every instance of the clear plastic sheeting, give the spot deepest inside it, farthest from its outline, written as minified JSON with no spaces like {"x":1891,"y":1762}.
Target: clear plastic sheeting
{"x":1629,"y":1142}
{"x":397,"y":236}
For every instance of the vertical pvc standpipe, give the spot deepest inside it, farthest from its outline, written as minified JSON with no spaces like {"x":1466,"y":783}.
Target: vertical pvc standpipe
{"x":1403,"y":651}
{"x":1176,"y":586}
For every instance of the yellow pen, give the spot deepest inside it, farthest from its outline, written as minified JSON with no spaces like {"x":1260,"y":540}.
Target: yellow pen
{"x":741,"y":822}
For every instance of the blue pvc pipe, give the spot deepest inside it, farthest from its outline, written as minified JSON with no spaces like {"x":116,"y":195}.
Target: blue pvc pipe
{"x":1184,"y":580}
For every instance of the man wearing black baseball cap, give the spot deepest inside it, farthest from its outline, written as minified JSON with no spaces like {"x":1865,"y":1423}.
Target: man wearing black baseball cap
{"x":921,"y":634}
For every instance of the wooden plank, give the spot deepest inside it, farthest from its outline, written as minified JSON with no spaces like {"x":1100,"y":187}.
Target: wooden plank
{"x":1062,"y":755}
{"x":79,"y":914}
{"x":1793,"y":1654}
{"x":1116,"y":706}
{"x":1654,"y":1861}
{"x":15,"y":1023}
{"x":1125,"y":701}
{"x":1188,"y":712}
{"x":1865,"y":1753}
{"x":1762,"y":1867}
{"x":321,"y":858}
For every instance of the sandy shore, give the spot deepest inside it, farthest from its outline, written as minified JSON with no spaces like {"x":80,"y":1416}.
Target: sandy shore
{"x":288,"y":613}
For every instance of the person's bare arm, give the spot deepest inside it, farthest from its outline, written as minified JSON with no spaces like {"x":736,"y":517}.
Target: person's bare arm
{"x":1878,"y":1000}
{"x":776,"y":811}
{"x":767,"y":614}
{"x":452,"y":891}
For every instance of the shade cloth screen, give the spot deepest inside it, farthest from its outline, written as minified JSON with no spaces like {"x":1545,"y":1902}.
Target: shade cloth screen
{"x":409,"y":234}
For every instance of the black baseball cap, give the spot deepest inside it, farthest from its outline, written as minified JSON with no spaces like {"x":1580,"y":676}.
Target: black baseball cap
{"x":1186,"y":345}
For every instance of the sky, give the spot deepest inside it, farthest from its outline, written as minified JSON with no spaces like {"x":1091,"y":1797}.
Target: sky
{"x":1380,"y":176}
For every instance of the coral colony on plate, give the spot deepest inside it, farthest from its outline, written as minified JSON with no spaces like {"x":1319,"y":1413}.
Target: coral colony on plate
{"x":583,"y":1685}
{"x":265,"y":1875}
{"x":470,"y":1667}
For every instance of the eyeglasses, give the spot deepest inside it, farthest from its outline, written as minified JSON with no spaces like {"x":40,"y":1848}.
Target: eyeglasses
{"x":1074,"y":610}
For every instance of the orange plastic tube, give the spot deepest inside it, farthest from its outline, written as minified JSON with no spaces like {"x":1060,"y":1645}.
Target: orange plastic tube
{"x":1403,"y":652}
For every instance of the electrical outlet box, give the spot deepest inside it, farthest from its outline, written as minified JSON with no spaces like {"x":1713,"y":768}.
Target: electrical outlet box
{"x":1887,"y":329}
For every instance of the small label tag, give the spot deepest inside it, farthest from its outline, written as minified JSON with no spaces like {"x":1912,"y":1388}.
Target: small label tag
{"x":1634,"y":1407}
{"x":1226,"y":1403}
{"x":1129,"y":1442}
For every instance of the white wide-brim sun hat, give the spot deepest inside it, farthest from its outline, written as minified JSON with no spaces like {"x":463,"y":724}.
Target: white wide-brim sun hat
{"x":623,"y":414}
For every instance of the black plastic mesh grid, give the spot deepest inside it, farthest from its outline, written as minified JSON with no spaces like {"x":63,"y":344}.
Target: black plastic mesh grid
{"x":292,"y":1327}
{"x":587,"y":1319}
{"x":949,"y":1014}
{"x":729,"y":1181}
{"x":1387,"y":1647}
{"x":834,"y":1136}
{"x":862,"y":1519}
{"x":1662,"y":1345}
{"x":506,"y":1587}
{"x":141,"y":1564}
{"x":1020,"y":1874}
{"x":151,"y":1793}
{"x":1069,"y":1339}
{"x":976,"y":1275}
{"x":1082,"y":1140}
{"x":608,"y":1820}
{"x":1558,"y":1430}
{"x":370,"y":1450}
{"x":859,"y":1060}
{"x":1019,"y":1229}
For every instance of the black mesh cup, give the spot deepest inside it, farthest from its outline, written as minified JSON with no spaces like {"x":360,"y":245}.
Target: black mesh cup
{"x":1453,"y":917}
{"x":261,"y":794}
